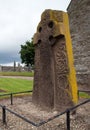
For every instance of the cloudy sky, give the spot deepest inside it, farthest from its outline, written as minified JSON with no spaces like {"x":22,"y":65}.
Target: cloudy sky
{"x":18,"y":23}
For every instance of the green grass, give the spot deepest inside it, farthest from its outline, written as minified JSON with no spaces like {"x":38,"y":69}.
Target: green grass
{"x":15,"y":85}
{"x":84,"y":95}
{"x":10,"y":85}
{"x":30,"y":74}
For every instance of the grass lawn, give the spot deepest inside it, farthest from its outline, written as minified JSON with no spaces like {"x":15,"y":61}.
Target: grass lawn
{"x":15,"y":85}
{"x":84,"y":95}
{"x":30,"y":74}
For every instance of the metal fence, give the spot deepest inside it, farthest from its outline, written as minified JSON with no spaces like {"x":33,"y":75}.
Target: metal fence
{"x":6,"y":110}
{"x":11,"y":95}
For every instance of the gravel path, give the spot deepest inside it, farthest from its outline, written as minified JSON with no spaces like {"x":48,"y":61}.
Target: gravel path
{"x":25,"y":107}
{"x":20,"y":77}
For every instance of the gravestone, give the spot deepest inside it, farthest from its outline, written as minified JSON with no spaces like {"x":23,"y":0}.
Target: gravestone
{"x":55,"y":84}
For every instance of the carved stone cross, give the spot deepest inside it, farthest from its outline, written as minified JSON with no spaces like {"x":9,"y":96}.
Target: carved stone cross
{"x":54,"y":79}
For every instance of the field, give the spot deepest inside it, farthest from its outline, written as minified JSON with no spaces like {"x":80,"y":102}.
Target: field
{"x":84,"y":95}
{"x":8,"y":85}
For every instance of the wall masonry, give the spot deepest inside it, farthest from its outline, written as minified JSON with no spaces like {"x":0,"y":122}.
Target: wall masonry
{"x":79,"y":17}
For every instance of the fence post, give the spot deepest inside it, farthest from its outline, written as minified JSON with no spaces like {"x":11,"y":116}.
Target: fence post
{"x":4,"y":114}
{"x":68,"y":119}
{"x":11,"y":96}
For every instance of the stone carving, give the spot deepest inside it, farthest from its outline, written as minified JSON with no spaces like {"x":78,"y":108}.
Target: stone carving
{"x":52,"y":79}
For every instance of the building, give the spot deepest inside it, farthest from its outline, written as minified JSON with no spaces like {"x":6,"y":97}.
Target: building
{"x":79,"y":18}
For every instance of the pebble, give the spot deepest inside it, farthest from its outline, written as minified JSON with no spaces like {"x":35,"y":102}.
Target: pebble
{"x":25,"y":107}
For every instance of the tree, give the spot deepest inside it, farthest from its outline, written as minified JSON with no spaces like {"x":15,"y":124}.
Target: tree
{"x":27,"y":53}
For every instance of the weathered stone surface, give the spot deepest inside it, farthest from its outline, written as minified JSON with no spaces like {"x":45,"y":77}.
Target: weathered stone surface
{"x":52,"y":80}
{"x":79,"y":17}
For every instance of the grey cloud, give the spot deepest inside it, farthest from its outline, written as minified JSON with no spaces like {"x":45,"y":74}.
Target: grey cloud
{"x":18,"y":22}
{"x":9,"y":57}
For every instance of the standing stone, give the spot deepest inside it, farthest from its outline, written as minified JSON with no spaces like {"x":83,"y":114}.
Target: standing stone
{"x":14,"y":66}
{"x":54,"y":79}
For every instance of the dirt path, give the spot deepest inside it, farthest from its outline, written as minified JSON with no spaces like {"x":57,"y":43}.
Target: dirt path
{"x":20,"y":77}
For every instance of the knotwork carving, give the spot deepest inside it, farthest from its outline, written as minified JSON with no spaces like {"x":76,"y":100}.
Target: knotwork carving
{"x":51,"y":85}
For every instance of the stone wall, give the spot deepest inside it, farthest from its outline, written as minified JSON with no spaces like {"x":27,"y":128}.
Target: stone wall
{"x":79,"y":18}
{"x":17,"y":69}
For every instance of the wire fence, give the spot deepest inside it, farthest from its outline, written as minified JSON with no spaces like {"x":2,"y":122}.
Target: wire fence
{"x":60,"y":121}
